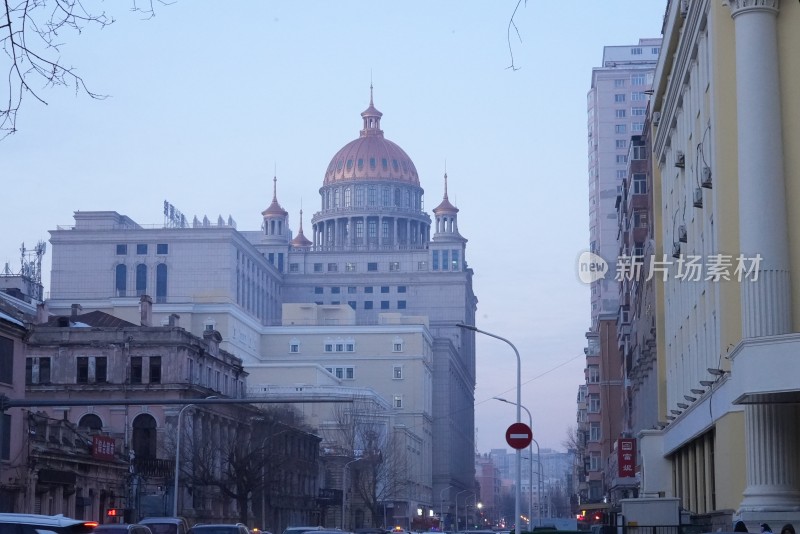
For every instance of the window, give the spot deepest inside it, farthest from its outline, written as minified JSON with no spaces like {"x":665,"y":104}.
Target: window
{"x":638,"y":112}
{"x":594,"y":374}
{"x":350,"y":267}
{"x":639,"y":184}
{"x":640,"y":152}
{"x":619,"y":113}
{"x":37,"y":370}
{"x":328,"y":347}
{"x":294,"y":267}
{"x":136,"y":370}
{"x":619,"y":82}
{"x":372,"y":266}
{"x":435,"y":256}
{"x":401,"y":305}
{"x":637,"y":127}
{"x":655,"y":50}
{"x":120,"y":283}
{"x":638,"y":96}
{"x":397,"y":372}
{"x":637,"y":79}
{"x":394,"y":266}
{"x":368,"y":289}
{"x":640,"y":219}
{"x":317,"y":267}
{"x":161,"y":282}
{"x":350,"y":347}
{"x":619,"y":98}
{"x":6,"y":360}
{"x":620,"y":128}
{"x":621,"y":173}
{"x":352,"y":304}
{"x":141,"y":249}
{"x":422,"y":265}
{"x":397,"y":345}
{"x":122,"y":250}
{"x":155,"y":371}
{"x":594,"y":403}
{"x":398,"y":401}
{"x":162,"y":248}
{"x":100,"y":369}
{"x":401,"y":289}
{"x":294,"y":346}
{"x":5,"y":431}
{"x":594,"y":461}
{"x":141,"y":279}
{"x":340,"y":347}
{"x":351,"y":290}
{"x":594,"y":431}
{"x":349,"y":373}
{"x":318,"y":290}
{"x":636,"y":51}
{"x":333,"y":267}
{"x":336,"y":290}
{"x":454,"y":265}
{"x":367,"y":304}
{"x":384,"y":289}
{"x":621,"y":143}
{"x":82,"y":371}
{"x":621,"y":159}
{"x":384,"y":304}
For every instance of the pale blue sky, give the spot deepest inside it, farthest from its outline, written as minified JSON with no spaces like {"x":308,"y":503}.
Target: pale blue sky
{"x":205,"y":102}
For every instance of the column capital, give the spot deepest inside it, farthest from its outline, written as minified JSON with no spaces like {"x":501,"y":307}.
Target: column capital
{"x":739,"y":7}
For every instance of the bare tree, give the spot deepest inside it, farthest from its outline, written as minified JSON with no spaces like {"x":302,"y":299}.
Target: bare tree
{"x":31,"y":34}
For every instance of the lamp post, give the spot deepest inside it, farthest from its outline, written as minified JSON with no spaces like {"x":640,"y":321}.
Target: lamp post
{"x":466,"y":511}
{"x":178,"y":458}
{"x":441,"y":500}
{"x":344,"y":490}
{"x":519,"y":417}
{"x":264,"y":478}
{"x":539,"y":471}
{"x":457,"y":494}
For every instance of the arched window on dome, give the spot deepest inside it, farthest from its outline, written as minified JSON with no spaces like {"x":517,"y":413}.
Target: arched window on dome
{"x":336,"y":193}
{"x":408,"y":198}
{"x":359,"y":196}
{"x":372,"y":193}
{"x":387,"y":196}
{"x":347,"y":197}
{"x":398,"y":199}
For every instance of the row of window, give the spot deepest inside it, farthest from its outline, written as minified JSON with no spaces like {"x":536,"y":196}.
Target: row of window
{"x":355,"y":196}
{"x":635,"y":112}
{"x":636,"y":96}
{"x":368,"y":304}
{"x":351,"y":290}
{"x":444,"y":260}
{"x":637,"y":50}
{"x":348,"y":373}
{"x":140,"y":282}
{"x":636,"y":127}
{"x":343,"y":346}
{"x":142,"y":248}
{"x":449,"y":260}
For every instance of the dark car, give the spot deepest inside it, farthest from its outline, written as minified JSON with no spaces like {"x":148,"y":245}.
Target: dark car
{"x":122,"y":528}
{"x":166,"y":525}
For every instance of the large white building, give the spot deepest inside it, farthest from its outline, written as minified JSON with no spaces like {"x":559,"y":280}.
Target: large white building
{"x":372,"y":247}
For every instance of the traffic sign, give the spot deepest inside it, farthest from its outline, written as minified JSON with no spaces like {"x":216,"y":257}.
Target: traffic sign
{"x":519,"y":435}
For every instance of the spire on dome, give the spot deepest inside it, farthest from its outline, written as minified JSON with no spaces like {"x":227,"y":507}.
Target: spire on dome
{"x":445,"y":205}
{"x":275,"y":207}
{"x":300,"y":240}
{"x":372,"y":117}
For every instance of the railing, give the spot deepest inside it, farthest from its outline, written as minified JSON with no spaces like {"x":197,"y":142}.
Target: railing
{"x":154,"y":467}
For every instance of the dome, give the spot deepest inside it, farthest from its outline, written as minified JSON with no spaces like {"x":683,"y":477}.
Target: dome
{"x":371,"y":156}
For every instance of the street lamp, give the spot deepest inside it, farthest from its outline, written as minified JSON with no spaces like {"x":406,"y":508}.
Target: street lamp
{"x":457,"y":494}
{"x":466,"y":511}
{"x":178,"y":458}
{"x":519,"y":417}
{"x":344,"y":490}
{"x":441,"y":500}
{"x":539,"y":471}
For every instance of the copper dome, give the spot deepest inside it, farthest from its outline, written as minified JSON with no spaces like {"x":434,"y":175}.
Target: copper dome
{"x":371,"y":156}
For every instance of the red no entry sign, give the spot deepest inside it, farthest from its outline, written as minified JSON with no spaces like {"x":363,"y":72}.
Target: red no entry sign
{"x":519,"y":435}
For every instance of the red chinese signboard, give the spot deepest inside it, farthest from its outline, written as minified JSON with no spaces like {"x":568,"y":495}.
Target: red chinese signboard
{"x":626,"y":457}
{"x":103,"y":447}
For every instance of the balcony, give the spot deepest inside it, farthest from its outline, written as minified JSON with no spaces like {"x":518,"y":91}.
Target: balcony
{"x":154,"y":467}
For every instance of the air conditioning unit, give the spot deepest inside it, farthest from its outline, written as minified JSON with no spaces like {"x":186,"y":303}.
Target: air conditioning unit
{"x":656,"y":118}
{"x":706,"y":181}
{"x":676,"y":250}
{"x":680,"y":159}
{"x":682,"y":236}
{"x":698,"y":197}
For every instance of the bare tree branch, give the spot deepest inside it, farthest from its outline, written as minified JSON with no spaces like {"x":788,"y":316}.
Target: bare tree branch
{"x":512,"y":24}
{"x":31,"y":33}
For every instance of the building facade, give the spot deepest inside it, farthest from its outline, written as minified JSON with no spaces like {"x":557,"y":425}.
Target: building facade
{"x":724,"y":118}
{"x":372,"y":247}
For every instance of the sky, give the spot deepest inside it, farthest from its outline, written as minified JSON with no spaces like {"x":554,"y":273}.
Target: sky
{"x":207,"y":101}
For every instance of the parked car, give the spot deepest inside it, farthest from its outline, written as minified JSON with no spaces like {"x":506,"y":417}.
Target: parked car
{"x":300,"y":530}
{"x":30,"y":523}
{"x":122,"y":528}
{"x":166,"y":525}
{"x":222,"y":528}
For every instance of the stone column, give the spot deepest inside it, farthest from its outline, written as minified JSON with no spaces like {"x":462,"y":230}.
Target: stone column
{"x":772,"y":467}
